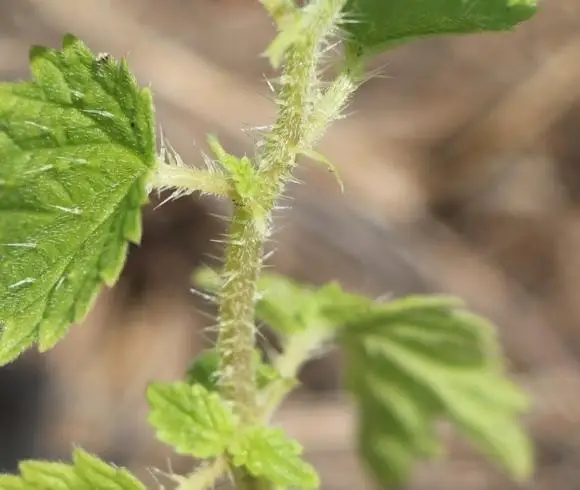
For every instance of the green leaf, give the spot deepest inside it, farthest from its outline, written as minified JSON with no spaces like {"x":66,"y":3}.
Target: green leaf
{"x":86,"y":473}
{"x":413,"y":361}
{"x":77,"y":149}
{"x":191,"y":419}
{"x":205,"y":368}
{"x":285,"y":305}
{"x":268,"y":453}
{"x":378,"y":25}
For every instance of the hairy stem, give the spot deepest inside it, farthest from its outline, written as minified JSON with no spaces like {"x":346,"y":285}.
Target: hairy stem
{"x":245,"y":242}
{"x":189,"y":180}
{"x":297,"y":350}
{"x":236,"y":314}
{"x":297,"y":99}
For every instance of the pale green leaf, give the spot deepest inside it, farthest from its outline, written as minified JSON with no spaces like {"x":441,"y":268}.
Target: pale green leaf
{"x":87,"y":472}
{"x":415,"y":361}
{"x":377,"y":25}
{"x":268,"y":453}
{"x":283,"y":304}
{"x":190,"y":418}
{"x":77,"y":149}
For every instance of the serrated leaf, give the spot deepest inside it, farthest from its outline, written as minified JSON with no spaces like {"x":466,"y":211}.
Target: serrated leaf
{"x":268,"y":453}
{"x":378,"y":24}
{"x":414,"y":361}
{"x":86,"y":473}
{"x":190,"y":418}
{"x":76,"y":150}
{"x":204,"y":370}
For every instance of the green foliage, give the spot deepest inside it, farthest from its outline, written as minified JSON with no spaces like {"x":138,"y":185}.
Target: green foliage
{"x":204,"y":370}
{"x":379,"y":24}
{"x":76,"y":149}
{"x":411,"y":362}
{"x":77,"y":157}
{"x":191,"y":419}
{"x":268,"y":453}
{"x":86,"y":473}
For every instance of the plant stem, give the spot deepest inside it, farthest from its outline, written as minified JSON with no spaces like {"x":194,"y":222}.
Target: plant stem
{"x":189,"y":180}
{"x":236,"y":314}
{"x":243,"y":256}
{"x":297,"y":350}
{"x":296,"y":99}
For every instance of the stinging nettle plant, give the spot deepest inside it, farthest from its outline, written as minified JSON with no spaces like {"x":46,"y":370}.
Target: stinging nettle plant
{"x":78,"y":158}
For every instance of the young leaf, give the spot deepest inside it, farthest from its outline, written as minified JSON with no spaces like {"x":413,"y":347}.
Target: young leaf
{"x":76,"y":151}
{"x":268,"y":453}
{"x":86,"y":473}
{"x":190,"y":418}
{"x":378,"y":24}
{"x":411,"y":362}
{"x":243,"y":179}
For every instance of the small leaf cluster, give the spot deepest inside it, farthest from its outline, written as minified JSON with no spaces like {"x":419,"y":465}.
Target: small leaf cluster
{"x":198,"y":422}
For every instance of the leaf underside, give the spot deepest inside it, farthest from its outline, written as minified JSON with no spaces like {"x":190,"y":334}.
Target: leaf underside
{"x":377,"y":25}
{"x":413,"y":362}
{"x":77,"y":146}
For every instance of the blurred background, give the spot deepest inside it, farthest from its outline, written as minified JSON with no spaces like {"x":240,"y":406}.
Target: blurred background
{"x":461,"y":164}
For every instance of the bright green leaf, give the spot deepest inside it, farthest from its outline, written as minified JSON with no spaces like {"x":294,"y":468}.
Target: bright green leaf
{"x":77,"y":148}
{"x":268,"y":453}
{"x":190,"y":418}
{"x":414,"y":361}
{"x":379,"y":24}
{"x":86,"y":473}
